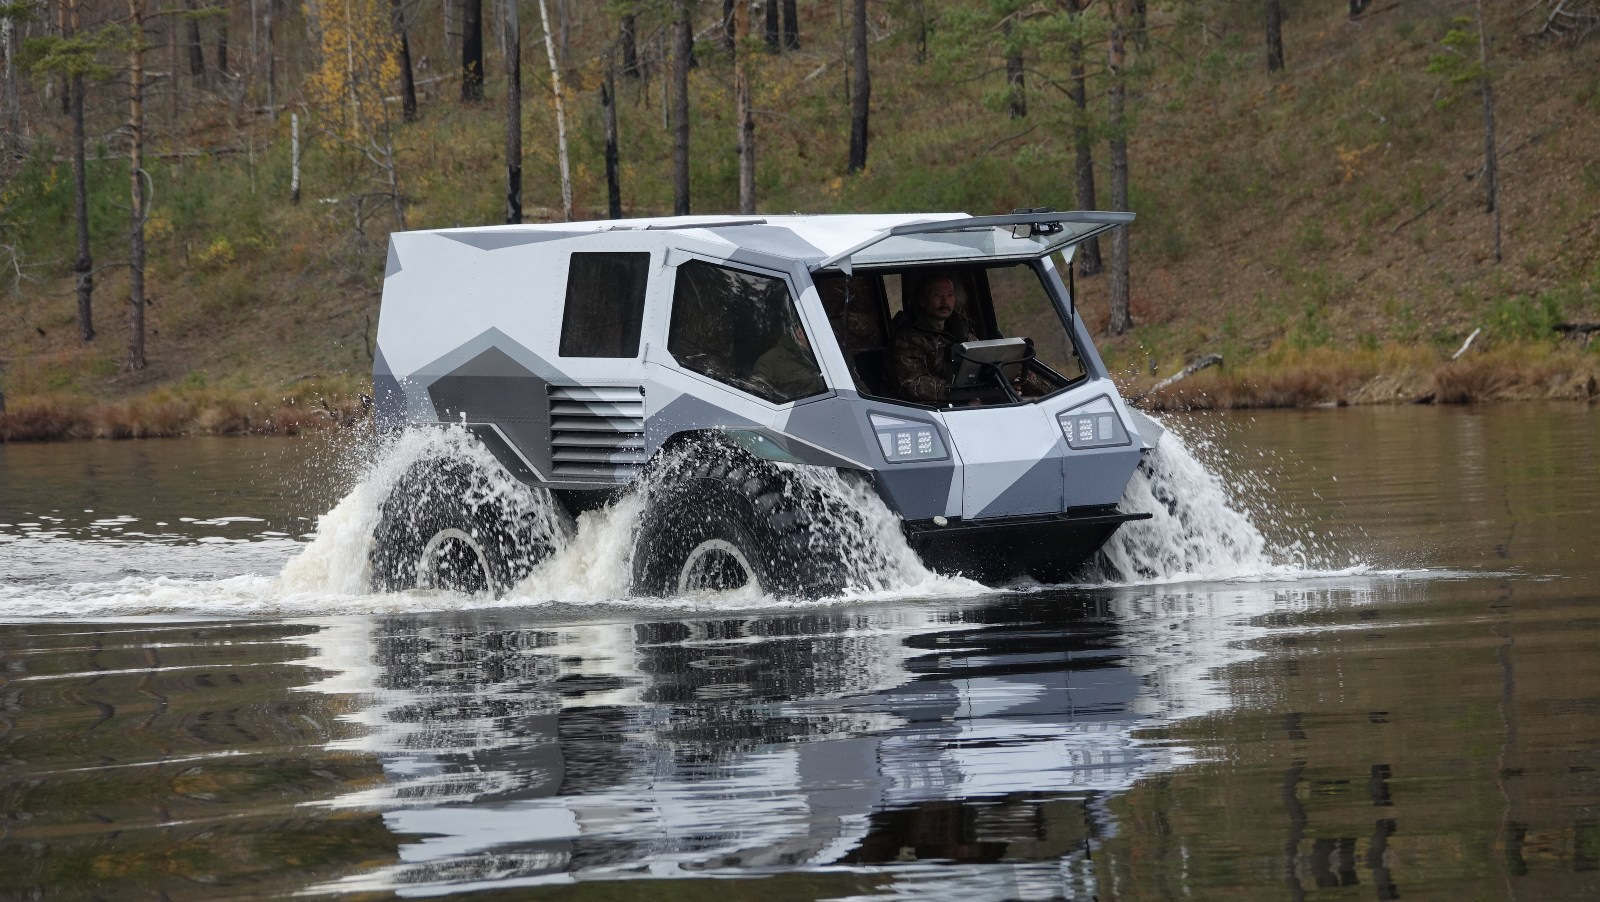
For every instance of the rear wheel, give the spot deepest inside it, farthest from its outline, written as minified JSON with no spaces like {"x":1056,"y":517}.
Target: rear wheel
{"x":454,"y":525}
{"x":717,"y":518}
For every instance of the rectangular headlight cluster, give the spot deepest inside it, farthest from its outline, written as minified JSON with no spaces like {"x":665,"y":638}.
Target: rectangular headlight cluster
{"x":1093,"y":425}
{"x":903,"y":440}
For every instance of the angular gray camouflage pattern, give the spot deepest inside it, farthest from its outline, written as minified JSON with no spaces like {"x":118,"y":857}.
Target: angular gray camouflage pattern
{"x":470,"y":327}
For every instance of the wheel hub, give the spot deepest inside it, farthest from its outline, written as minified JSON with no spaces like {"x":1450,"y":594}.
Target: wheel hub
{"x":454,"y":561}
{"x":715,"y":565}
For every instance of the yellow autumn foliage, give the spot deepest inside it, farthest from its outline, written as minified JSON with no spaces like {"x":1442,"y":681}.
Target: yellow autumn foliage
{"x":360,"y":64}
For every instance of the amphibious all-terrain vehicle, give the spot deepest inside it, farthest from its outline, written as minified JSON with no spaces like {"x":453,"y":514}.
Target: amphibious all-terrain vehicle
{"x":709,"y":361}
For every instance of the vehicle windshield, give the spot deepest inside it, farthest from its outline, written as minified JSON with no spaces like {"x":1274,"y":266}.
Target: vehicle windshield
{"x":908,"y":334}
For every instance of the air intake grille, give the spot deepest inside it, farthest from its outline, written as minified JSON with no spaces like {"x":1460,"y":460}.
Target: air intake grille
{"x":596,"y":434}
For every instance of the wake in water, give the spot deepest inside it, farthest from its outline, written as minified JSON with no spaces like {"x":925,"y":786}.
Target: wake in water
{"x":1201,"y":530}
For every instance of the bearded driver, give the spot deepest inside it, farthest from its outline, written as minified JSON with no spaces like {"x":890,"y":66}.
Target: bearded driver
{"x":920,"y":340}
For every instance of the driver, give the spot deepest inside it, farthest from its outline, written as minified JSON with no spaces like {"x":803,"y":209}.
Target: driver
{"x":920,"y":338}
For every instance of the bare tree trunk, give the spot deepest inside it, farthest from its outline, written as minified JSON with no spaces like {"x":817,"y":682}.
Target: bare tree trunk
{"x":774,"y":36}
{"x":1274,"y":35}
{"x":136,"y":177}
{"x":1491,"y":161}
{"x":294,"y":159}
{"x":791,"y":26}
{"x":174,"y":63}
{"x":222,"y":43}
{"x":408,"y":83}
{"x":66,"y":80}
{"x":922,"y":32}
{"x":630,"y":48}
{"x":472,"y":51}
{"x":561,"y":116}
{"x":742,"y":112}
{"x":1088,"y":253}
{"x":272,"y":64}
{"x":861,"y":98}
{"x":564,"y":32}
{"x":1015,"y":86}
{"x":83,"y":264}
{"x":197,"y":57}
{"x":608,"y":109}
{"x":513,"y":55}
{"x":683,"y":46}
{"x":1121,"y":318}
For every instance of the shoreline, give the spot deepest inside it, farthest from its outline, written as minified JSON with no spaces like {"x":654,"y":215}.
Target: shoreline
{"x":1325,"y":377}
{"x":1314,"y":378}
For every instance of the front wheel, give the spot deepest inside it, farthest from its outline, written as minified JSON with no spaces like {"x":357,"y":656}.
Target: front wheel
{"x":454,"y":525}
{"x":718,"y":519}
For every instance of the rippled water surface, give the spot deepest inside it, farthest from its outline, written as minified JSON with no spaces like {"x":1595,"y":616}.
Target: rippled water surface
{"x":1356,"y":655}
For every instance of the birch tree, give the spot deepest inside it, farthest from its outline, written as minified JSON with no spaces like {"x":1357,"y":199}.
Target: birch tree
{"x":561,"y":116}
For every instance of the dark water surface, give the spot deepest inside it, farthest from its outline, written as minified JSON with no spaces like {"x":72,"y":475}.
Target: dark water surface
{"x":1407,"y":706}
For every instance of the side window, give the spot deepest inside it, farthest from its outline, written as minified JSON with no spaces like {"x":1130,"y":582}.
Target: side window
{"x":741,"y":329}
{"x":605,"y":304}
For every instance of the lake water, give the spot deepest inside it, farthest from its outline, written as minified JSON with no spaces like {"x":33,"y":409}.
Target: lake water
{"x":1361,"y":659}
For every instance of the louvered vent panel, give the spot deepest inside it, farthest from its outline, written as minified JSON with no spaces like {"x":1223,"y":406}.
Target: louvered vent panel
{"x":596,"y":434}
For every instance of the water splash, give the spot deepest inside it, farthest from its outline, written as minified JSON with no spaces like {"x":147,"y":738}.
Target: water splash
{"x":594,"y":564}
{"x":1204,"y":527}
{"x":1201,"y":527}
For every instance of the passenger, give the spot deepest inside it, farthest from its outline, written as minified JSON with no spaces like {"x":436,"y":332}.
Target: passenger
{"x":788,"y":367}
{"x":920,"y":339}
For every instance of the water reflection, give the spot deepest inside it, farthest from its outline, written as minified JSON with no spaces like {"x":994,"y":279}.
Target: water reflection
{"x":987,"y":736}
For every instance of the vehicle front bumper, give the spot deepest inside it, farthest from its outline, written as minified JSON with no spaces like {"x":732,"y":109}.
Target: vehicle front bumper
{"x":1050,"y":548}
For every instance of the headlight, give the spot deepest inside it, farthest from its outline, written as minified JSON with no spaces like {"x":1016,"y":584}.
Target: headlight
{"x":1093,"y":425}
{"x":903,"y":440}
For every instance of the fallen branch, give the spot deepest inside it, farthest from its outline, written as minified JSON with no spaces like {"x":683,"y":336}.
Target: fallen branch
{"x":1206,"y":362}
{"x":1466,"y":344}
{"x":1577,"y":328}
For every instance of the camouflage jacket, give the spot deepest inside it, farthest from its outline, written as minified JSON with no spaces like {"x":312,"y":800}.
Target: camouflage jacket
{"x":920,"y":366}
{"x":919,"y":356}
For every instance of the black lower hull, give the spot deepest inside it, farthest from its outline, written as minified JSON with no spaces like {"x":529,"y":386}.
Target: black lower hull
{"x":1048,"y":548}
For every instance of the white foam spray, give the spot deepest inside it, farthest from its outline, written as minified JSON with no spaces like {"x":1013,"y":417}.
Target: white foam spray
{"x":1202,"y":529}
{"x":595,"y":564}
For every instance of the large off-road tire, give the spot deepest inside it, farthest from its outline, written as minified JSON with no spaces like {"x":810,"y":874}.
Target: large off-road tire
{"x":448,"y":524}
{"x":717,"y":518}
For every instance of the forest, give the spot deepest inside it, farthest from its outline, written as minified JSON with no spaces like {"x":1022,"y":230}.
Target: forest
{"x":1361,"y":201}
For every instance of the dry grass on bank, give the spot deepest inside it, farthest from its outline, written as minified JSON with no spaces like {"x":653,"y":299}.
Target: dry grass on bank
{"x":1389,"y":375}
{"x":167,"y":413}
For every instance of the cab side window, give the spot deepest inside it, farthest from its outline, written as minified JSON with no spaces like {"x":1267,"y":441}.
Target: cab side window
{"x":742,"y":329}
{"x":605,"y":304}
